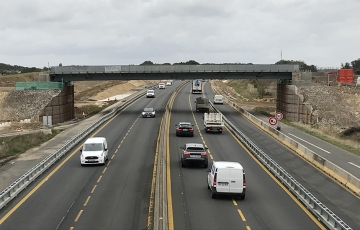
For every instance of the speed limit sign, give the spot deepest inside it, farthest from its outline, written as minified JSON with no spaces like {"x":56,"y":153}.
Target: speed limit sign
{"x":279,"y":116}
{"x":273,"y":121}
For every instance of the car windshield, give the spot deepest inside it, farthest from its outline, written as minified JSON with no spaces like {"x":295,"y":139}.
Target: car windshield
{"x":150,"y":91}
{"x":184,"y":125}
{"x":148,"y":109}
{"x":195,"y":149}
{"x":93,"y":147}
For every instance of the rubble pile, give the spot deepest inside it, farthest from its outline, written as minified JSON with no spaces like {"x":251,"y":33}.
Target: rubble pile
{"x":337,"y":108}
{"x":25,"y":104}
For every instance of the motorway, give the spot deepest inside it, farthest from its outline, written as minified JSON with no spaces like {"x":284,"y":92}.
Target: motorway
{"x":117,"y":195}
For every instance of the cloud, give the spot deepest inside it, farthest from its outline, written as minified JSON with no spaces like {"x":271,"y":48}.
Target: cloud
{"x":79,"y":32}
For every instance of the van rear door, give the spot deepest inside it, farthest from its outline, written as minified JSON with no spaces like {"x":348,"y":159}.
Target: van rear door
{"x":236,"y":180}
{"x":222,"y":180}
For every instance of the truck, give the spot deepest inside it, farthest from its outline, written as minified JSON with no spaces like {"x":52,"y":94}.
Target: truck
{"x":202,"y":104}
{"x":213,"y":122}
{"x":196,"y":86}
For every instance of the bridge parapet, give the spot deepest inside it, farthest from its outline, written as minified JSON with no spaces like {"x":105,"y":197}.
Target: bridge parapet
{"x":221,"y":68}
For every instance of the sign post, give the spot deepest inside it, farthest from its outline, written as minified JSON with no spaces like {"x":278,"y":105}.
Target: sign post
{"x":279,"y":116}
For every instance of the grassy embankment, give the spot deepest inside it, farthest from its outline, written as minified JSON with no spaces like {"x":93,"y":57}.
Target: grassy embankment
{"x":14,"y":145}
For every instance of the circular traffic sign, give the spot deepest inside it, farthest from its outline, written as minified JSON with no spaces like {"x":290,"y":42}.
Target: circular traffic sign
{"x":272,"y":121}
{"x":279,"y":116}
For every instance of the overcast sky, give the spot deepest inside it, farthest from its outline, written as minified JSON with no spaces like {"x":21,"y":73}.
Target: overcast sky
{"x":324,"y":33}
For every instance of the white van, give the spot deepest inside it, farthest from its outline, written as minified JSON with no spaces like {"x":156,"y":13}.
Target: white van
{"x":161,"y":85}
{"x":218,"y":99}
{"x":227,"y":178}
{"x":150,"y":93}
{"x":94,"y":151}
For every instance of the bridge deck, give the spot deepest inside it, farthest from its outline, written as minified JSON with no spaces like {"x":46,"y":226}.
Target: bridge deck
{"x":137,"y":72}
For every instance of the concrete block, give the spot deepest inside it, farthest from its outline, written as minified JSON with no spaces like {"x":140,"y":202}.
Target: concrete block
{"x":353,"y":184}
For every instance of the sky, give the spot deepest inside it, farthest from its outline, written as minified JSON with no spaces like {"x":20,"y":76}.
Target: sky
{"x":38,"y":33}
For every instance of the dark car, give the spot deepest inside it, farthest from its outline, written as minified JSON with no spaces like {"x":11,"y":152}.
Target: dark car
{"x":193,"y":152}
{"x":184,"y":128}
{"x":148,"y":112}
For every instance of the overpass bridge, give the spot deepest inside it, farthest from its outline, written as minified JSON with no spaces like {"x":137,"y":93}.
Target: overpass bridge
{"x":164,"y":72}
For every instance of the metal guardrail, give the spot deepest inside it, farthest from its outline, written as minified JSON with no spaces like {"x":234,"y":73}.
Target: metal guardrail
{"x":21,"y":183}
{"x":324,"y":214}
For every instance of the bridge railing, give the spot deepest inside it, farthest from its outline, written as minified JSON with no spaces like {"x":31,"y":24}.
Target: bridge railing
{"x":172,"y":68}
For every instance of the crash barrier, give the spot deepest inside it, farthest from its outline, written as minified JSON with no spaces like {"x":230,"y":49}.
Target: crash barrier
{"x":324,"y":214}
{"x":160,"y":220}
{"x":21,"y":183}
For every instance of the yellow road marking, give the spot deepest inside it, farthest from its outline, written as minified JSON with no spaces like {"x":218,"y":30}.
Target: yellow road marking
{"x":280,"y":184}
{"x":87,"y":200}
{"x":99,"y":179}
{"x":71,"y":228}
{"x":234,"y":201}
{"x":241,"y":215}
{"x":112,"y":157}
{"x":78,"y":215}
{"x":104,"y":170}
{"x":92,"y":191}
{"x":108,"y":163}
{"x":248,"y":227}
{"x":116,"y":150}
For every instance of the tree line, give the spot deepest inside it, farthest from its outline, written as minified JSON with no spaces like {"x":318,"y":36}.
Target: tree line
{"x":12,"y":69}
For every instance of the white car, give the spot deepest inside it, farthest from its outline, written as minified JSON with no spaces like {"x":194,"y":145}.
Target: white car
{"x":94,"y":151}
{"x":150,"y":93}
{"x":168,"y":83}
{"x":161,"y":85}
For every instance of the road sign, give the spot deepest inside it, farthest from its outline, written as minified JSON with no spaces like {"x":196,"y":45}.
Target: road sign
{"x":273,"y":121}
{"x":279,"y":116}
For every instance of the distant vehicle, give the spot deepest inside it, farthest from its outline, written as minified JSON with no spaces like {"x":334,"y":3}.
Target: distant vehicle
{"x":169,"y":83}
{"x":218,"y":99}
{"x":213,"y":122}
{"x":196,"y":86}
{"x":150,"y":93}
{"x":184,"y":128}
{"x":161,"y":85}
{"x":148,"y":112}
{"x":202,"y":104}
{"x":203,"y":80}
{"x":227,"y":178}
{"x":94,"y":151}
{"x":193,"y":152}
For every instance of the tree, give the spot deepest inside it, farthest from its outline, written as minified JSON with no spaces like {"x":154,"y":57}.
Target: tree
{"x":302,"y":64}
{"x":190,"y":62}
{"x":346,"y":65}
{"x":147,"y":63}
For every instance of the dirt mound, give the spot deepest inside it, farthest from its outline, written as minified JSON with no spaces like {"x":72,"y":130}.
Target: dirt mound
{"x":338,"y":108}
{"x":25,"y":104}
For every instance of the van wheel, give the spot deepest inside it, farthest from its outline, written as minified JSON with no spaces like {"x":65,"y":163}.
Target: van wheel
{"x":206,"y":165}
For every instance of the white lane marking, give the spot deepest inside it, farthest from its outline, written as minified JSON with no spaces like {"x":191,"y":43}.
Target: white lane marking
{"x":310,"y":143}
{"x":354,"y":164}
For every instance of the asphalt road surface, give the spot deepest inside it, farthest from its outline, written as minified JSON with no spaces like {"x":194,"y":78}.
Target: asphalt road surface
{"x":117,"y":195}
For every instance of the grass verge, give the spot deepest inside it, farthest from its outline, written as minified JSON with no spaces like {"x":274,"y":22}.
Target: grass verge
{"x":14,"y":145}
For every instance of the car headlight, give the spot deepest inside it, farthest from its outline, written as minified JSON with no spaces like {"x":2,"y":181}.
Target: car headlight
{"x":143,"y":113}
{"x":153,"y":112}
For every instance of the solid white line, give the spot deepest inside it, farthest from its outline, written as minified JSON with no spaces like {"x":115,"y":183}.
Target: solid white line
{"x":354,"y":164}
{"x":310,"y":143}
